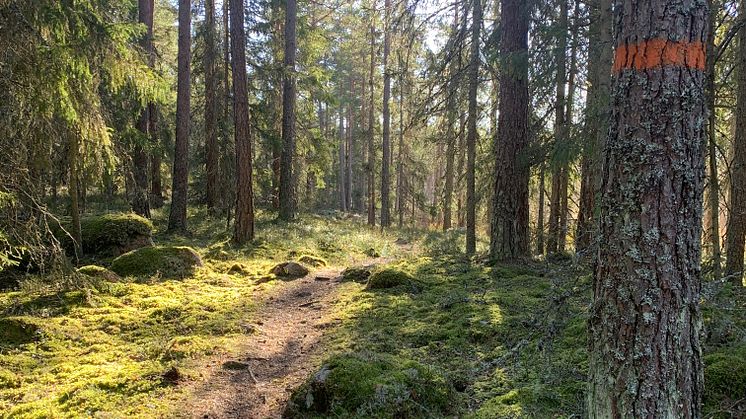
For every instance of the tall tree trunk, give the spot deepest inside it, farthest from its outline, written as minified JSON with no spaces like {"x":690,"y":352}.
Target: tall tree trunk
{"x":450,"y":132}
{"x":341,"y":182}
{"x":510,"y":236}
{"x":600,"y":53}
{"x":540,"y":212}
{"x":140,"y":204}
{"x":471,"y":138}
{"x":400,"y":157}
{"x":177,"y":220}
{"x":386,"y":161}
{"x":156,"y":183}
{"x":372,"y":127}
{"x":350,"y":152}
{"x":559,"y":165}
{"x":287,"y":194}
{"x":243,"y":230}
{"x":72,"y":185}
{"x":736,"y":232}
{"x":211,"y":115}
{"x":645,"y":324}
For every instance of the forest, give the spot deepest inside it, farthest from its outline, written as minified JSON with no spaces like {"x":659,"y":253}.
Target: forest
{"x":373,"y":209}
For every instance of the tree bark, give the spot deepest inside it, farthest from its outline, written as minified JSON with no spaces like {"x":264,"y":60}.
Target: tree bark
{"x":287,"y":194}
{"x":386,"y":163}
{"x":73,"y":191}
{"x":450,"y":132}
{"x":243,"y":230}
{"x":509,"y":233}
{"x":540,"y":212}
{"x":600,"y":53}
{"x":736,"y":232}
{"x":372,"y":127}
{"x":645,"y":324}
{"x":140,"y":204}
{"x":211,"y":116}
{"x":714,"y":181}
{"x":471,"y":138}
{"x":559,"y":165}
{"x":156,"y":183}
{"x":177,"y":220}
{"x":342,"y":171}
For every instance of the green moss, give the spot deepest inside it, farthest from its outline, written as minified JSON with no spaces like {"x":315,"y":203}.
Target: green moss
{"x":99,"y":272}
{"x":312,"y":260}
{"x":110,"y":234}
{"x":17,"y":331}
{"x":389,"y":278}
{"x":366,"y":385}
{"x":356,"y":274}
{"x":8,"y":379}
{"x":506,"y":406}
{"x":169,"y":262}
{"x":725,"y":377}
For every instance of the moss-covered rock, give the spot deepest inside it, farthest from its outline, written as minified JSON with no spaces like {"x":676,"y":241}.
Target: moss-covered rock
{"x":238,"y":269}
{"x":110,"y":234}
{"x":725,"y":378}
{"x":356,"y":274}
{"x":99,"y":272}
{"x":169,"y":262}
{"x":17,"y":331}
{"x":372,"y":253}
{"x":389,"y":278}
{"x":311,"y":260}
{"x":289,"y":270}
{"x":373,"y":385}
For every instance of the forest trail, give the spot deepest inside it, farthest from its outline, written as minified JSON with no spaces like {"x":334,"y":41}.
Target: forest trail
{"x":275,"y":359}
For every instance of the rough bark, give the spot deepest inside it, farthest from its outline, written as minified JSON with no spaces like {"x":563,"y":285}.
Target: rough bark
{"x":177,"y":220}
{"x":540,"y":211}
{"x":372,"y":128}
{"x":509,"y":233}
{"x":471,"y":138}
{"x":386,"y":146}
{"x":713,"y":189}
{"x":243,"y":230}
{"x":600,"y":55}
{"x":156,"y":182}
{"x":140,"y":204}
{"x":73,"y":191}
{"x":211,"y":115}
{"x":450,"y":132}
{"x":645,"y":324}
{"x":736,"y":232}
{"x":287,"y":193}
{"x":342,"y":159}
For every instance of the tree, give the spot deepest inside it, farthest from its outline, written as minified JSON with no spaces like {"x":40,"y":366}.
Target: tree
{"x":287,"y":194}
{"x":386,"y":161}
{"x":177,"y":220}
{"x":371,"y":125}
{"x":645,"y":322}
{"x":736,"y":233}
{"x":509,"y":236}
{"x":243,"y":230}
{"x":211,"y":115}
{"x":140,"y":202}
{"x":471,"y":138}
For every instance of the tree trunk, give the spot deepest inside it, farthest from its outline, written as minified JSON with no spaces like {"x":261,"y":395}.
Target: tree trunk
{"x":400,"y":158}
{"x":559,"y":165}
{"x":471,"y":138}
{"x":341,"y":172}
{"x":540,"y":212}
{"x":510,"y":236}
{"x":450,"y":132}
{"x":372,"y":127}
{"x":211,"y":116}
{"x":72,"y":185}
{"x":385,"y":165}
{"x":156,"y":188}
{"x":350,"y":152}
{"x":243,"y":230}
{"x":140,"y":204}
{"x":645,"y":324}
{"x":714,"y":182}
{"x":287,"y":194}
{"x":177,"y":220}
{"x":736,"y":232}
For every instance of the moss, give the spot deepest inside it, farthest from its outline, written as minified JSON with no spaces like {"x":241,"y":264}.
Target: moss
{"x":312,"y":260}
{"x":725,"y":377}
{"x":110,"y":234}
{"x":17,"y":331}
{"x":169,"y":262}
{"x":369,"y":385}
{"x":99,"y":272}
{"x":356,"y":274}
{"x":8,"y":379}
{"x":389,"y":278}
{"x":506,"y":406}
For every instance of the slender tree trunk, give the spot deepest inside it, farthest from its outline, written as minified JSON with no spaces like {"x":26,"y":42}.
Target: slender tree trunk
{"x":350,"y":153}
{"x":287,"y":195}
{"x":471,"y":138}
{"x":645,"y":323}
{"x":599,"y":61}
{"x":714,"y":182}
{"x":72,"y":185}
{"x":342,"y":171}
{"x":450,"y":132}
{"x":559,"y":165}
{"x":386,"y":163}
{"x":736,"y":232}
{"x":140,"y":204}
{"x":540,"y":212}
{"x":156,"y":188}
{"x":400,"y":158}
{"x":177,"y":220}
{"x":460,"y":218}
{"x":244,"y":225}
{"x":211,"y":116}
{"x":510,"y":236}
{"x":372,"y":127}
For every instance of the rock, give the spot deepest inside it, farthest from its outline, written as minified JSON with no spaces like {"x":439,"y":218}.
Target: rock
{"x":238,"y":269}
{"x":323,"y":278}
{"x":99,"y":272}
{"x":372,"y":253}
{"x":168,"y":261}
{"x":235,"y":365}
{"x":389,"y":278}
{"x":289,"y":270}
{"x":356,"y":274}
{"x":312,"y":260}
{"x":109,"y":234}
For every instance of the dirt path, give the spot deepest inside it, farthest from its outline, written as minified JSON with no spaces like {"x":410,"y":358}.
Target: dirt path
{"x":275,"y":359}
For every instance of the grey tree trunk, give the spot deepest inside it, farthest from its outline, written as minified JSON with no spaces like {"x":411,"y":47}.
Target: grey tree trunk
{"x":645,"y":323}
{"x":559,"y":165}
{"x":342,"y":171}
{"x":450,"y":132}
{"x":371,"y":169}
{"x":140,"y":203}
{"x":509,"y":232}
{"x":211,"y":115}
{"x":386,"y":160}
{"x":177,"y":220}
{"x":243,"y":230}
{"x":287,"y":193}
{"x":471,"y":138}
{"x":714,"y":183}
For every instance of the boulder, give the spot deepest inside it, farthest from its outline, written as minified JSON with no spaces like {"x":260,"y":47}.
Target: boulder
{"x":356,"y":274}
{"x":99,"y":272}
{"x":109,"y":234}
{"x":389,"y":278}
{"x":289,"y":270}
{"x":311,"y":260}
{"x":168,"y":261}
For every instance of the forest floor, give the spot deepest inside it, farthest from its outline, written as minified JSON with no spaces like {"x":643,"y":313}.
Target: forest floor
{"x":454,"y":337}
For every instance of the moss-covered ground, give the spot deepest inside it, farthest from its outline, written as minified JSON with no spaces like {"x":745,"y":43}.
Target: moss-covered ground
{"x":456,"y":338}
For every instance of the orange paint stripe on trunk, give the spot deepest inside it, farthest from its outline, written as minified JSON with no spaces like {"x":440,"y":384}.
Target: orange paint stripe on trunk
{"x":655,"y":53}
